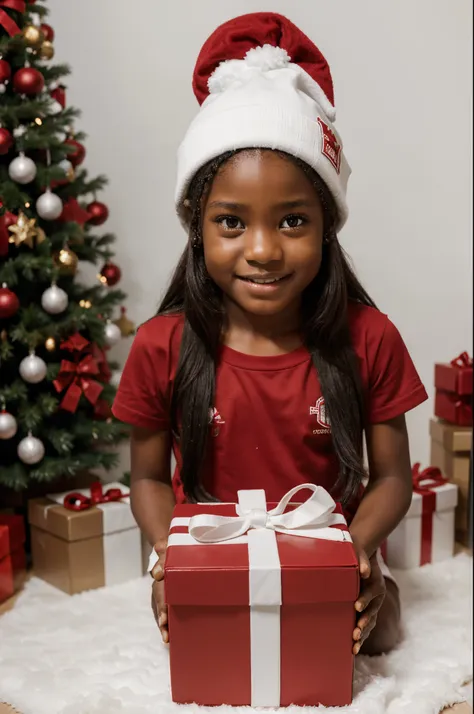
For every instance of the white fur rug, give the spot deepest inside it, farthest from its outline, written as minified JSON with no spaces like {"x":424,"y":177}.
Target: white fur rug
{"x":99,"y":652}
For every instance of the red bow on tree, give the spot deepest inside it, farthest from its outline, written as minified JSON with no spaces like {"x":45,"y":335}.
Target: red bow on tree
{"x":462,"y":361}
{"x":76,"y":501}
{"x":76,"y":376}
{"x":5,"y":20}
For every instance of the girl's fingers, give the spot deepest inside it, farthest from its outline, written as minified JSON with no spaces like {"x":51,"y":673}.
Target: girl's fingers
{"x":157,"y":573}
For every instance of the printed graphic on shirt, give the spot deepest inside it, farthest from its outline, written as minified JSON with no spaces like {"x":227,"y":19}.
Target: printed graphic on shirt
{"x":215,"y":421}
{"x":331,"y":148}
{"x":319,"y":411}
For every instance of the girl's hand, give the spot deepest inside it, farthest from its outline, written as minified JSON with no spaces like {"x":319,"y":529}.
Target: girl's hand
{"x":371,"y":597}
{"x":158,"y":605}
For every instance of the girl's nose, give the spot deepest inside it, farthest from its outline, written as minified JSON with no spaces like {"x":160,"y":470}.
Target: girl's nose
{"x":262,"y":247}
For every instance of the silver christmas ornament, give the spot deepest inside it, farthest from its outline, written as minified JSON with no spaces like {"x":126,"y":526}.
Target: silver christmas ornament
{"x":112,"y":334}
{"x":54,"y":300}
{"x":30,"y":450}
{"x":33,"y":369}
{"x":49,"y":206}
{"x":22,"y":169}
{"x":8,"y":425}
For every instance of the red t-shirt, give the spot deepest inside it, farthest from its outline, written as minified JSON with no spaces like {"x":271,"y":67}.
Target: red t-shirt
{"x":269,"y":427}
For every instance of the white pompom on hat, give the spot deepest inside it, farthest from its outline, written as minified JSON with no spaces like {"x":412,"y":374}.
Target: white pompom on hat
{"x":262,"y":83}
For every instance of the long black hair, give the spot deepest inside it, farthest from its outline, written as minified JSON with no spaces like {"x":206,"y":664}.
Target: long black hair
{"x":325,"y":332}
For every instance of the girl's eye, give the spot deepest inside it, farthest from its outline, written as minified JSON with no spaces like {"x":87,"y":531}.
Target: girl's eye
{"x":293,"y":222}
{"x":229,"y":223}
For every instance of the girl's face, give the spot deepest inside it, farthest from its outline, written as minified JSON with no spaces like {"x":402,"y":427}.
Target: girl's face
{"x":262,"y":232}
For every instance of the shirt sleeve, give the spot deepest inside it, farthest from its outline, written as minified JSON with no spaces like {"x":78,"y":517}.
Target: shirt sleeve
{"x":141,"y":396}
{"x":394,"y":384}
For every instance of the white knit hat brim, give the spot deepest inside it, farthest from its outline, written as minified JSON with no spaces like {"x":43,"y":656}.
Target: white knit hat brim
{"x":269,"y":110}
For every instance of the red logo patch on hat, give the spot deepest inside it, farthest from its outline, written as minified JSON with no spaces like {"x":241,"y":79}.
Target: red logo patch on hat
{"x":331,"y":148}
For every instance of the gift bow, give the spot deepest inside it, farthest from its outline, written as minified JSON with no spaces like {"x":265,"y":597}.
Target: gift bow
{"x":5,"y":20}
{"x":309,"y":519}
{"x":76,"y":501}
{"x":76,"y":377}
{"x":424,"y":481}
{"x":462,"y":361}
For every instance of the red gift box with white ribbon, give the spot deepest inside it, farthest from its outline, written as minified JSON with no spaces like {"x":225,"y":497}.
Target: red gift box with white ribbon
{"x":426,"y":534}
{"x":12,"y":554}
{"x":261,"y":602}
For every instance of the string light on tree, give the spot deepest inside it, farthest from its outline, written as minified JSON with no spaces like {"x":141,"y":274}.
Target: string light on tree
{"x":30,"y":450}
{"x":22,"y":169}
{"x":33,"y":369}
{"x":9,"y":303}
{"x":54,"y":300}
{"x":86,"y":304}
{"x":50,"y":344}
{"x":110,"y":274}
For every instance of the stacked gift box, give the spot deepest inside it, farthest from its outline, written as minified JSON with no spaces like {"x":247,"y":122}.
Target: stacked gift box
{"x":85,"y":539}
{"x":451,"y":434}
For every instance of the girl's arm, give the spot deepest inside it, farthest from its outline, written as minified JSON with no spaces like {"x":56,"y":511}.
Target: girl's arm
{"x":388,"y":494}
{"x":151,"y":495}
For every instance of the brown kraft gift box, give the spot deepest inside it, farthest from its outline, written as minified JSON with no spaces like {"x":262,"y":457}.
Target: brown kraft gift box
{"x":450,"y":452}
{"x":84,"y":549}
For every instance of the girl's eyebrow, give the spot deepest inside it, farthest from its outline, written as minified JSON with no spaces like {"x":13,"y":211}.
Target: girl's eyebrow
{"x":233,"y":206}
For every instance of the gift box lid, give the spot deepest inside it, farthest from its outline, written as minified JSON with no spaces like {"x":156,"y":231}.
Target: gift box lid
{"x":16,"y":529}
{"x":96,"y":520}
{"x":446,"y":498}
{"x":312,"y":570}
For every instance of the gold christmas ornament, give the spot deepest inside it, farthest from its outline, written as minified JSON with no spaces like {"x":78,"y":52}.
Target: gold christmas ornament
{"x":126,"y":326}
{"x":26,"y":231}
{"x":33,"y":36}
{"x":46,"y":51}
{"x":50,"y":344}
{"x":66,"y":260}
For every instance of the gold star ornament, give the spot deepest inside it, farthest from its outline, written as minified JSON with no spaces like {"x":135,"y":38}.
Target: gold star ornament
{"x":26,"y":232}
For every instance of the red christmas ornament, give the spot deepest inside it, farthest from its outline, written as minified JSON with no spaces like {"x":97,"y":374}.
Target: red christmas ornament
{"x":48,"y":32}
{"x":5,"y":71}
{"x":9,"y":302}
{"x":7,"y":220}
{"x":29,"y":81}
{"x":77,"y":156}
{"x":110,"y":274}
{"x":98,"y":213}
{"x":6,"y":141}
{"x":59,"y":94}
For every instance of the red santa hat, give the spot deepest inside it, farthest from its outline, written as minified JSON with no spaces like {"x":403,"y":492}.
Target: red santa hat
{"x":262,"y":83}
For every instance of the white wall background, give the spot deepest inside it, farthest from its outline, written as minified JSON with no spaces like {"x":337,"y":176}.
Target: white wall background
{"x":403,"y":83}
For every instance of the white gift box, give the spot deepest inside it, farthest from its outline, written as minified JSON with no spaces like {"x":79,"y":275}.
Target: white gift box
{"x":426,"y":534}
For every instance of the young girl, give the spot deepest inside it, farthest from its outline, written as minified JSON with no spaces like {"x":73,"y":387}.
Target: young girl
{"x":268,"y":362}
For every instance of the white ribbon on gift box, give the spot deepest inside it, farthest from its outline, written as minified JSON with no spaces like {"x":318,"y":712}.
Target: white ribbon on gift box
{"x":256,"y":526}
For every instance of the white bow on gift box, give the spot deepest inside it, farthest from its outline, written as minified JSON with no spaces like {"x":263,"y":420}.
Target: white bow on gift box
{"x":257,"y":527}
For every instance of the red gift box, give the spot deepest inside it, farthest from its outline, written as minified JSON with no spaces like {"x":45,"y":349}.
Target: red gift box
{"x":455,"y":377}
{"x":261,"y":605}
{"x":453,"y":409}
{"x":12,"y":552}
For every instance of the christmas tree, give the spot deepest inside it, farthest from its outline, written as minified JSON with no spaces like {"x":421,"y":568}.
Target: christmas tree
{"x":55,"y":380}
